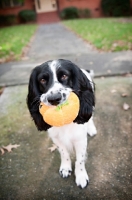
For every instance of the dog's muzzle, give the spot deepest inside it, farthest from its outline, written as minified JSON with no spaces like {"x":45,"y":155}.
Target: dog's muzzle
{"x":54,"y":99}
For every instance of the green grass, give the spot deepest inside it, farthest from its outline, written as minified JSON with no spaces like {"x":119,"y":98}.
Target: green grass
{"x":105,"y":34}
{"x":13,"y":39}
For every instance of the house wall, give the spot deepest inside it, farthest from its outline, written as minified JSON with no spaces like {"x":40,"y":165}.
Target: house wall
{"x":93,"y":5}
{"x":48,"y":17}
{"x":28,"y":4}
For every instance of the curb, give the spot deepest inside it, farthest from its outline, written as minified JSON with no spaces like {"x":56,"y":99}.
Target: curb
{"x":127,"y":74}
{"x":113,"y":75}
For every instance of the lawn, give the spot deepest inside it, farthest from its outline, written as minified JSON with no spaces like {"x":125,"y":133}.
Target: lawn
{"x":13,"y":39}
{"x":105,"y":34}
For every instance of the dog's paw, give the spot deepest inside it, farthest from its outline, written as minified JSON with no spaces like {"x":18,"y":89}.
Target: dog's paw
{"x":82,"y":178}
{"x":92,"y":131}
{"x":65,"y":170}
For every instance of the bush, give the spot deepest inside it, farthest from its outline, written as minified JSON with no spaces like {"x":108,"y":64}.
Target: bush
{"x":2,"y":18}
{"x":8,"y":19}
{"x":84,"y":13}
{"x":116,"y":8}
{"x":27,"y":15}
{"x":69,"y":13}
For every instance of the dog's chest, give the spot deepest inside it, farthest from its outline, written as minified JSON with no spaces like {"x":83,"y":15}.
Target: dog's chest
{"x":68,"y":133}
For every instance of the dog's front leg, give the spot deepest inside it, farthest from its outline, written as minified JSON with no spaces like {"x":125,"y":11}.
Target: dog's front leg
{"x":80,"y":171}
{"x":65,"y":167}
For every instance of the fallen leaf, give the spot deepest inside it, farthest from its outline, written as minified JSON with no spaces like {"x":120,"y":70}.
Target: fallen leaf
{"x":126,"y":106}
{"x":10,"y":147}
{"x":124,"y":95}
{"x":2,"y":151}
{"x":25,"y":58}
{"x":53,"y":148}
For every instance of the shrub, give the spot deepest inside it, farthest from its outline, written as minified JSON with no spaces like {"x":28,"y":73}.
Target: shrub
{"x":69,"y":13}
{"x":116,"y":8}
{"x":84,"y":13}
{"x":8,"y":19}
{"x":2,"y":19}
{"x":27,"y":15}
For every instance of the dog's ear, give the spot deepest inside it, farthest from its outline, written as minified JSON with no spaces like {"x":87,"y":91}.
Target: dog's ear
{"x":33,"y":100}
{"x":83,"y":89}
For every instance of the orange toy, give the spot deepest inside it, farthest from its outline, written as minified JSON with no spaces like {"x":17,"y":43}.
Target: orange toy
{"x":61,"y":114}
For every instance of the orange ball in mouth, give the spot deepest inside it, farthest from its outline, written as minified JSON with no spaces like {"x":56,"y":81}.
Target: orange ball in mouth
{"x":62,"y":114}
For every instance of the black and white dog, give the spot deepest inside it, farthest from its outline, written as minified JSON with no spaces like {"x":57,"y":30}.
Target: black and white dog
{"x":52,"y":83}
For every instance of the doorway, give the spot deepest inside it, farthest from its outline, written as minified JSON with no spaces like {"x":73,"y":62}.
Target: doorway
{"x":43,"y":6}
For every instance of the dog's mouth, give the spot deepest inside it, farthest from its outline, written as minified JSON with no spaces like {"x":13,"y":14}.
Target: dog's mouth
{"x":54,"y":103}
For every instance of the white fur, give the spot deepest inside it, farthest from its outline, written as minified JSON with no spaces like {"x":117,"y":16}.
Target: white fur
{"x":91,"y":127}
{"x":67,"y":138}
{"x":53,"y":65}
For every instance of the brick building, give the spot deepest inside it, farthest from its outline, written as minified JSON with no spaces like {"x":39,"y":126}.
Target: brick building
{"x":48,"y":10}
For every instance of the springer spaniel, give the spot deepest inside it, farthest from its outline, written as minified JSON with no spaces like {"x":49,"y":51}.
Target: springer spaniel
{"x":51,"y":83}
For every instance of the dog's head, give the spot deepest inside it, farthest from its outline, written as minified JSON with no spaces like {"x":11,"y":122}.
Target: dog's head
{"x":52,"y":83}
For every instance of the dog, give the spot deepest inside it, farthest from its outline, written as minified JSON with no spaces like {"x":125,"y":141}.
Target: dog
{"x":51,"y":83}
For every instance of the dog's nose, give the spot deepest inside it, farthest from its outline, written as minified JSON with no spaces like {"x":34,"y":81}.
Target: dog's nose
{"x":54,"y":99}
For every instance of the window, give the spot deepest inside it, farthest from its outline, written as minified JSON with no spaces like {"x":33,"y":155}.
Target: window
{"x":10,"y":3}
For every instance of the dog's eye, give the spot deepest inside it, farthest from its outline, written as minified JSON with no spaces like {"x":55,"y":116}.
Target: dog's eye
{"x":42,"y":81}
{"x":64,"y":77}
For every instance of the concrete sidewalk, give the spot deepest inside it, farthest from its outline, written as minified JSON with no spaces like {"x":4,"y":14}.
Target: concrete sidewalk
{"x":30,"y":172}
{"x":54,"y":41}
